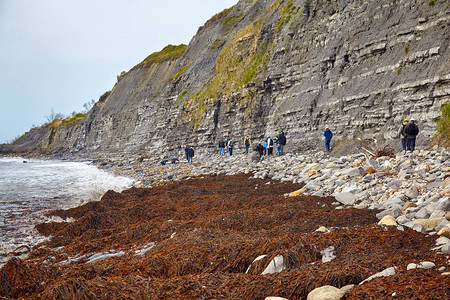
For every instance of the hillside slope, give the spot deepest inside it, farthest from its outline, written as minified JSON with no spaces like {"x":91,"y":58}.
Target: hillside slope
{"x":359,"y":67}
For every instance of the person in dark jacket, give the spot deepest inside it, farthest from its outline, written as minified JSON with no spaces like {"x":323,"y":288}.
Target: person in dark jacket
{"x":411,"y":130}
{"x":401,"y":134}
{"x":221,"y":146}
{"x":269,"y":146}
{"x":328,"y":135}
{"x":281,"y":141}
{"x":259,"y":149}
{"x":190,"y":154}
{"x":230,"y":146}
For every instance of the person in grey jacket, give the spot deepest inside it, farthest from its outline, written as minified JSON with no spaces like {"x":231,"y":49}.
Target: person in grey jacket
{"x":402,"y":134}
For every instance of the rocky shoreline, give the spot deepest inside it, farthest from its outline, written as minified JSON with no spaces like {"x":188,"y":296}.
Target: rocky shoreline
{"x":289,"y":226}
{"x":413,"y":188}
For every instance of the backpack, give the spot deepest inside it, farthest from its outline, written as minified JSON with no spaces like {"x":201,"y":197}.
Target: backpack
{"x":247,"y":142}
{"x":271,"y":142}
{"x":191,"y":152}
{"x":230,"y":144}
{"x":411,"y":129}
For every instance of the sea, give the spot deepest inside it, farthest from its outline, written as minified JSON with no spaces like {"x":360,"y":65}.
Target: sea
{"x":31,"y":187}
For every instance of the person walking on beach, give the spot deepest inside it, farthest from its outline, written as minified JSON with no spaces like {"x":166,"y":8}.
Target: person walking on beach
{"x":186,"y":150}
{"x":190,"y":154}
{"x":247,"y":143}
{"x":328,"y":135}
{"x":260,"y":149}
{"x":281,"y":141}
{"x":411,"y":130}
{"x":402,"y":134}
{"x":230,"y":146}
{"x":269,"y":146}
{"x":221,"y":146}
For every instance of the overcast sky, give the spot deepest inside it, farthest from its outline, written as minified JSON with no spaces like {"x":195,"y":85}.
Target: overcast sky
{"x":59,"y":54}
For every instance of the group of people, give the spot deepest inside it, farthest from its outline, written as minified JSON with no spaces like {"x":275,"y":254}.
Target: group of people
{"x":229,"y":144}
{"x":266,"y":147}
{"x":263,"y":148}
{"x":189,"y":151}
{"x":407,"y":133}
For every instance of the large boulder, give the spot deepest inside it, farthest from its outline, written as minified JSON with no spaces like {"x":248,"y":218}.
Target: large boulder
{"x":388,"y":221}
{"x":394,"y":211}
{"x":346,"y":198}
{"x":326,"y":292}
{"x":428,"y":223}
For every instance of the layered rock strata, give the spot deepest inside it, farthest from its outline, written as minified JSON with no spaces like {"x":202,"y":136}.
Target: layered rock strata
{"x":359,"y":67}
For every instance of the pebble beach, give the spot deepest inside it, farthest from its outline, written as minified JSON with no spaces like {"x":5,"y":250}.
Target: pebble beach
{"x":297,"y":226}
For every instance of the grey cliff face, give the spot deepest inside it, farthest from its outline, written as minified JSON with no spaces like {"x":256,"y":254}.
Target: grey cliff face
{"x":359,"y":67}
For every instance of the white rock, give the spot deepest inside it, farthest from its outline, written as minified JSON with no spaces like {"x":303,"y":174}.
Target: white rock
{"x":145,"y":250}
{"x":428,"y":223}
{"x":346,"y":198}
{"x":255,"y":260}
{"x":385,"y":273}
{"x":411,"y":266}
{"x":419,"y":228}
{"x":388,"y":221}
{"x":326,"y":292}
{"x":323,"y":229}
{"x":354,"y":189}
{"x":446,"y":248}
{"x":328,"y":254}
{"x":426,"y":265}
{"x":277,"y":265}
{"x":102,"y":256}
{"x":442,"y":240}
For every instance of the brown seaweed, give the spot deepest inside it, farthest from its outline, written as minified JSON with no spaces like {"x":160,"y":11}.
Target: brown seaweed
{"x":207,"y":232}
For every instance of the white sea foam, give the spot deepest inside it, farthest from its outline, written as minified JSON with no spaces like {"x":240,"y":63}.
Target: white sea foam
{"x":28,"y":190}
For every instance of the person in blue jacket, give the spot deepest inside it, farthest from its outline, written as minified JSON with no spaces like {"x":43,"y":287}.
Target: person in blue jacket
{"x":186,"y":151}
{"x":328,"y":135}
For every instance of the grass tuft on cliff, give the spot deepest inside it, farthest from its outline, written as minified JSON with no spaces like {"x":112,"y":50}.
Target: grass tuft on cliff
{"x":75,"y":119}
{"x":442,"y":137}
{"x":241,"y":60}
{"x":167,"y":53}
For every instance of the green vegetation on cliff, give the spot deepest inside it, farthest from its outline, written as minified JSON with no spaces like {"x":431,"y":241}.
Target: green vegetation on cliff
{"x":77,"y":118}
{"x":181,"y":71}
{"x":239,"y":63}
{"x":442,"y":137}
{"x":167,"y":53}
